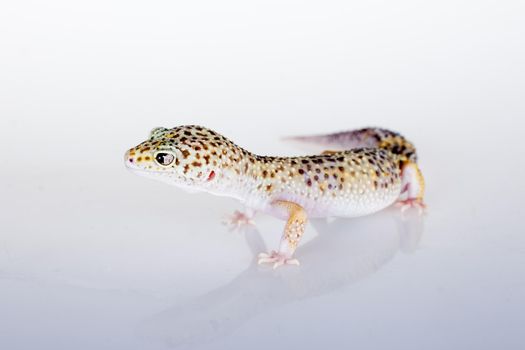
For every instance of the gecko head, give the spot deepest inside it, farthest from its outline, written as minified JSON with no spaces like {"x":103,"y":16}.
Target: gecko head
{"x":186,"y":156}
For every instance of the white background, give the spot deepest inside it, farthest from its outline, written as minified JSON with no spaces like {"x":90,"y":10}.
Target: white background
{"x":92,"y":257}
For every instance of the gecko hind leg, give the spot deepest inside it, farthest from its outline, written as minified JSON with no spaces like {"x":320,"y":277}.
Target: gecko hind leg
{"x":292,"y":234}
{"x":239,"y":221}
{"x":413,"y":188}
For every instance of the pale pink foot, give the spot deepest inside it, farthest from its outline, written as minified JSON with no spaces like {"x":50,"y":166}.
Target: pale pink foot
{"x":238,"y":221}
{"x":412,"y":203}
{"x":277,"y":259}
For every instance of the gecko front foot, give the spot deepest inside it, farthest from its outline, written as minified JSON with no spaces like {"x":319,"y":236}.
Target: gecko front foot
{"x":277,"y":259}
{"x":238,"y":221}
{"x":412,"y":203}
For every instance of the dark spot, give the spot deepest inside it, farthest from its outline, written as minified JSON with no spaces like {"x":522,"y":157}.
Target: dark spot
{"x":301,"y":171}
{"x":309,"y":182}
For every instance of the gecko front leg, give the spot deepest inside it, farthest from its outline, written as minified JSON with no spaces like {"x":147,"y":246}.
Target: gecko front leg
{"x":293,"y":231}
{"x":238,"y":221}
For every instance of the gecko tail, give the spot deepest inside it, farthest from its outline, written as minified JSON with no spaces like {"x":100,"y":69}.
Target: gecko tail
{"x":361,"y":138}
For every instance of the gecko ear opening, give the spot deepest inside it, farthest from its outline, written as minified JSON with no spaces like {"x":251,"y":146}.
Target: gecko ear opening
{"x":156,"y":132}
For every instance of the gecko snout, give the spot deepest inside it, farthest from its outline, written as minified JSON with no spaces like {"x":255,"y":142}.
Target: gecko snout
{"x":137,"y":160}
{"x":129,"y":158}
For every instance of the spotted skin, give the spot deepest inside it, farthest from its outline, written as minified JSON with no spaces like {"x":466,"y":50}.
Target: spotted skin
{"x":346,"y":183}
{"x":366,"y":137}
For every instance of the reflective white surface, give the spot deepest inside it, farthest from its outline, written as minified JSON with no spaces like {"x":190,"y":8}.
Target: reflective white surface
{"x":93,"y":257}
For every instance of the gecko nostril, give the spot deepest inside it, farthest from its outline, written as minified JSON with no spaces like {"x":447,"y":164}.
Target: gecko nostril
{"x":131,"y":160}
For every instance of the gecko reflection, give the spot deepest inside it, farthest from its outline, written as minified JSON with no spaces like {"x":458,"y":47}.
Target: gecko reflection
{"x":346,"y":252}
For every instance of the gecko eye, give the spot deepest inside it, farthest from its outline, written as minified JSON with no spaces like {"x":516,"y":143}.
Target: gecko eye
{"x":164,"y":159}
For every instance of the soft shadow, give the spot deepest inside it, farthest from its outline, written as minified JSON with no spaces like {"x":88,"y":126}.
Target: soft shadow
{"x":344,"y":252}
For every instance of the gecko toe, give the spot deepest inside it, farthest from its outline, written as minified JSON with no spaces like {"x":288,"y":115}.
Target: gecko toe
{"x":278,"y":263}
{"x":293,"y":262}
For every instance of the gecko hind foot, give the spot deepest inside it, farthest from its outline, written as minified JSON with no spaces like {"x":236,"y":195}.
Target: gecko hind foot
{"x":277,"y":259}
{"x":412,"y":203}
{"x":238,"y":221}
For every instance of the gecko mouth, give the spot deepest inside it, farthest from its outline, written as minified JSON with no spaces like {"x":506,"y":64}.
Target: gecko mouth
{"x":169,"y":178}
{"x":141,"y":171}
{"x":134,"y":167}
